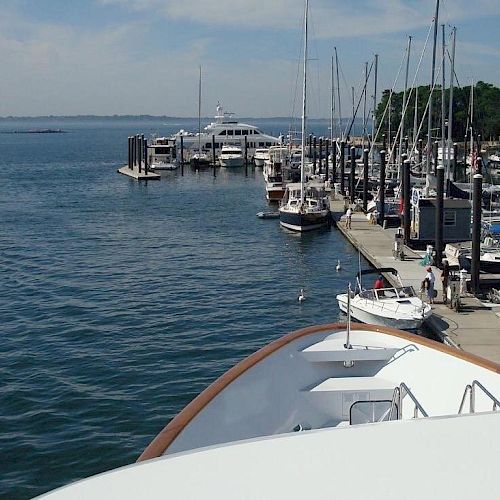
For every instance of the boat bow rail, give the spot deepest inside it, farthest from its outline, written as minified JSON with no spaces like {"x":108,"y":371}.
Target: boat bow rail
{"x":470,"y":391}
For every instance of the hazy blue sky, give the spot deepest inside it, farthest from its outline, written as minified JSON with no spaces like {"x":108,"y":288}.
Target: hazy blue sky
{"x":142,"y":56}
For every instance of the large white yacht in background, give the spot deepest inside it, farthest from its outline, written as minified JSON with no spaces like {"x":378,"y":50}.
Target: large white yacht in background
{"x":325,"y":412}
{"x":226,"y":130}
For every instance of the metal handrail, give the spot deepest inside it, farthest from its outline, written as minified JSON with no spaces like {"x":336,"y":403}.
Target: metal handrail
{"x":471,"y":390}
{"x":397,"y":403}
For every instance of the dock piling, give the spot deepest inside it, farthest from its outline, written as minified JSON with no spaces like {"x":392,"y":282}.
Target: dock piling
{"x":246,"y":156}
{"x":129,"y":152}
{"x":320,"y":163}
{"x":406,"y":200}
{"x":365,"y":179}
{"x":182,"y":155}
{"x":334,"y":161}
{"x":146,"y":166}
{"x":213,"y":152}
{"x":342,"y":167}
{"x":476,"y":231}
{"x":381,"y":219}
{"x":139,"y":152}
{"x":352,"y":182}
{"x":314,"y":154}
{"x":327,"y":155}
{"x":439,"y":215}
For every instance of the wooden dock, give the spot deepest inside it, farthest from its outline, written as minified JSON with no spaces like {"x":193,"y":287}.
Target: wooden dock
{"x":476,"y":328}
{"x":139,"y":176}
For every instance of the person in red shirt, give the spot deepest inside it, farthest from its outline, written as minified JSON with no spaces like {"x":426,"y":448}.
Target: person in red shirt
{"x":379,"y":283}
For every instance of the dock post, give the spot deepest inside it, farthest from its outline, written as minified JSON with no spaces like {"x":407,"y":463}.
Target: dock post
{"x":134,"y":154}
{"x":365,"y":179}
{"x":342,"y":167}
{"x":182,"y":155}
{"x":419,"y":150}
{"x":334,"y":161}
{"x":130,"y":152}
{"x":314,"y":154}
{"x":384,"y":142}
{"x":352,"y":174}
{"x":455,"y":168}
{"x":327,"y":154}
{"x":146,"y":167}
{"x":213,"y":151}
{"x":381,"y":217}
{"x":143,"y":149}
{"x":139,"y":152}
{"x":439,"y":215}
{"x":406,"y":144}
{"x":435,"y":155}
{"x":320,"y":163}
{"x":246,"y":156}
{"x":476,"y":232}
{"x":406,"y":200}
{"x":310,"y":145}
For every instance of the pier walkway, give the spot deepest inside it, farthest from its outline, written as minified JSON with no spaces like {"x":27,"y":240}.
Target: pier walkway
{"x":475,"y":328}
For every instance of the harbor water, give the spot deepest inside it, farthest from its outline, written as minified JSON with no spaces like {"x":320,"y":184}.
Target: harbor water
{"x":121,"y":301}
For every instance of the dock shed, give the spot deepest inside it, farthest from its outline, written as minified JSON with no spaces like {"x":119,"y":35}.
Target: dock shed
{"x":457,"y":220}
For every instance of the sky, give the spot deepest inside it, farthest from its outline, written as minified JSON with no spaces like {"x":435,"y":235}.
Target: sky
{"x":129,"y":57}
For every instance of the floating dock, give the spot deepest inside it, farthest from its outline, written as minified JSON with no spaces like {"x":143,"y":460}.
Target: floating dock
{"x":476,"y":328}
{"x":141,"y":175}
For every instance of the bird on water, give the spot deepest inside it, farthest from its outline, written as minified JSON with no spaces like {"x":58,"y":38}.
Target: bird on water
{"x":302,"y":296}
{"x":337,"y":267}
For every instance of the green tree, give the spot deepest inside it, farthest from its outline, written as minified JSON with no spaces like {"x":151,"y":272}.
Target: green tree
{"x":486,"y":114}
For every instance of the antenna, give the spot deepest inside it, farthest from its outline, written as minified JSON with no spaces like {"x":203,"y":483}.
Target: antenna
{"x":347,"y":344}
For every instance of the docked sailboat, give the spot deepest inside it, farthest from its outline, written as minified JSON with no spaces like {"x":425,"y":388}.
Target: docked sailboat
{"x":312,"y":412}
{"x":305,"y":205}
{"x":397,"y":307}
{"x":199,"y":158}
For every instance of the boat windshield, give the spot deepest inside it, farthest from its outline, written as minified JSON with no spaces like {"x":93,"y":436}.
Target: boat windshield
{"x":394,"y":293}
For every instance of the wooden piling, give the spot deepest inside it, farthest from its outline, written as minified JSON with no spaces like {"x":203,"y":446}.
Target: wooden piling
{"x":476,"y":231}
{"x":352,"y":176}
{"x":381,"y":217}
{"x":365,"y":179}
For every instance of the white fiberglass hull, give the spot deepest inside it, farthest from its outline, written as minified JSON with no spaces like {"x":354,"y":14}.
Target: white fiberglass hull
{"x":375,"y":318}
{"x":229,"y":162}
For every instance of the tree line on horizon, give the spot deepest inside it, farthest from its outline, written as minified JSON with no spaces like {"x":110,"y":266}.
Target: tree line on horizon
{"x":485,"y":120}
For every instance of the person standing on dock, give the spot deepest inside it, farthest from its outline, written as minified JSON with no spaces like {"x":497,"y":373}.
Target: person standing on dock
{"x":445,"y":276}
{"x":430,"y":278}
{"x":348,"y":217}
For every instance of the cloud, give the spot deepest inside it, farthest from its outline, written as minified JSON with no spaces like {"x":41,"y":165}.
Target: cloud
{"x":331,"y":19}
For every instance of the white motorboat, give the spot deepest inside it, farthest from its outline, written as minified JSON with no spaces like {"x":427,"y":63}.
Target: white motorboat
{"x":231,"y":156}
{"x":223,"y":130}
{"x":305,"y":205}
{"x":260,"y":157}
{"x":311,"y":413}
{"x":274,"y":172}
{"x":397,"y":307}
{"x":162,"y":154}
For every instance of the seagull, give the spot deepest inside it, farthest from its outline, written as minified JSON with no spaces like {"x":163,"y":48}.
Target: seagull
{"x":302,"y":297}
{"x":337,"y":267}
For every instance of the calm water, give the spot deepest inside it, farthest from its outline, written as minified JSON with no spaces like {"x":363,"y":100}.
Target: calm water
{"x":121,"y":301}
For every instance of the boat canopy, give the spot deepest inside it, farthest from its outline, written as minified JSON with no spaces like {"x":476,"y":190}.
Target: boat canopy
{"x":378,"y":270}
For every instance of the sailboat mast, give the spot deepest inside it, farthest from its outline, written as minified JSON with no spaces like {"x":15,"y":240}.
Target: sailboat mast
{"x":450,"y":109}
{"x":304,"y":102}
{"x":364,"y":104}
{"x":338,"y":95}
{"x":443,"y":83}
{"x":374,"y":107}
{"x":332,"y":106}
{"x":433,"y":71}
{"x":403,"y":110}
{"x":199,"y":114}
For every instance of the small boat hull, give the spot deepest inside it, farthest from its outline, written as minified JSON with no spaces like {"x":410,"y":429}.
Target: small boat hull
{"x":232,"y":162}
{"x":369,"y":318}
{"x":302,"y":222}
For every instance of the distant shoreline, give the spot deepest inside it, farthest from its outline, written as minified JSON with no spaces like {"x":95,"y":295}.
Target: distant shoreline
{"x":144,"y":117}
